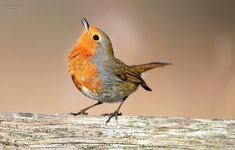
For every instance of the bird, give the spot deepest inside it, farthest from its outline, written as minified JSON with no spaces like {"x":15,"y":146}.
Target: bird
{"x":99,"y":75}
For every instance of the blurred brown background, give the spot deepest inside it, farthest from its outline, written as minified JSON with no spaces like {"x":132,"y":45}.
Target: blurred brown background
{"x":197,"y":36}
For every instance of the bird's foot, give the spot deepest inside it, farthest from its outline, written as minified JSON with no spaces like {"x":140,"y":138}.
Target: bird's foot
{"x":82,"y":112}
{"x":111,"y":115}
{"x":108,"y":114}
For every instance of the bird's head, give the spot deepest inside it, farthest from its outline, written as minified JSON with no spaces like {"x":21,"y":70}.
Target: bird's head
{"x":93,"y":40}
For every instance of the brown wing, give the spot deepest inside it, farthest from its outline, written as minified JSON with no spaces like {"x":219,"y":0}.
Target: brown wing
{"x":127,"y":74}
{"x":135,"y":78}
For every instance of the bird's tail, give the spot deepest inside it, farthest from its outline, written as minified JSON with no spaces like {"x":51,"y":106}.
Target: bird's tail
{"x":145,"y":67}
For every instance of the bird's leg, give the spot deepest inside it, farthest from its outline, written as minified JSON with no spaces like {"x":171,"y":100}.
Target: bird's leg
{"x":83,"y":111}
{"x":115,"y":113}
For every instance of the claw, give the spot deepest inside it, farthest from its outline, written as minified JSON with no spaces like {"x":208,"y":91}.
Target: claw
{"x":108,"y":114}
{"x":82,"y":112}
{"x":111,"y":115}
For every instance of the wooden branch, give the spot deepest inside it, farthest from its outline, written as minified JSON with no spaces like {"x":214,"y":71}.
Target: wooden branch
{"x":32,"y":130}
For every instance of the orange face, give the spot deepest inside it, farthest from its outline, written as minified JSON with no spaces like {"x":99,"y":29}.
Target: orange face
{"x":90,"y":41}
{"x":86,"y":45}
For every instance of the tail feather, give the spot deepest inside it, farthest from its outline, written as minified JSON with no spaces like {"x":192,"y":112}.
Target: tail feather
{"x":145,"y":67}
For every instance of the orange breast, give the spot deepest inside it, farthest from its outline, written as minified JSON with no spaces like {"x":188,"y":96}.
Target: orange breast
{"x":84,"y":73}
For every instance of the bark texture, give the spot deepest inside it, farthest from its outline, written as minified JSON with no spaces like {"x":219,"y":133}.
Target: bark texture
{"x":63,"y":131}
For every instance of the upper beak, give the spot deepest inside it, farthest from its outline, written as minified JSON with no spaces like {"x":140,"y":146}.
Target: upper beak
{"x":85,"y":24}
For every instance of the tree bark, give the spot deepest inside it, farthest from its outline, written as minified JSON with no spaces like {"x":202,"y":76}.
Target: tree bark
{"x":63,"y":131}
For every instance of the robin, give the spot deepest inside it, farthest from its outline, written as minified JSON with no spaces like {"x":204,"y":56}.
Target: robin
{"x":99,"y":75}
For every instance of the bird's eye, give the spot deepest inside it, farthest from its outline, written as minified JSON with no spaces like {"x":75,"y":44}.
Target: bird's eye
{"x":96,"y":37}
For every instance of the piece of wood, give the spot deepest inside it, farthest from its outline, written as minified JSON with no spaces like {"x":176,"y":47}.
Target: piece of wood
{"x":63,"y":131}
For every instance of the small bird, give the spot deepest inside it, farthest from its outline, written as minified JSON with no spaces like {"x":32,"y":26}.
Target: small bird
{"x":99,"y":75}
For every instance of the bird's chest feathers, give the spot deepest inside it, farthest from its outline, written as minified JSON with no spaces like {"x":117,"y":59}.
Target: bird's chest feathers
{"x":84,"y":72}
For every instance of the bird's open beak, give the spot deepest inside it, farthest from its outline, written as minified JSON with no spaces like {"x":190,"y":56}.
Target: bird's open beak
{"x":85,"y":24}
